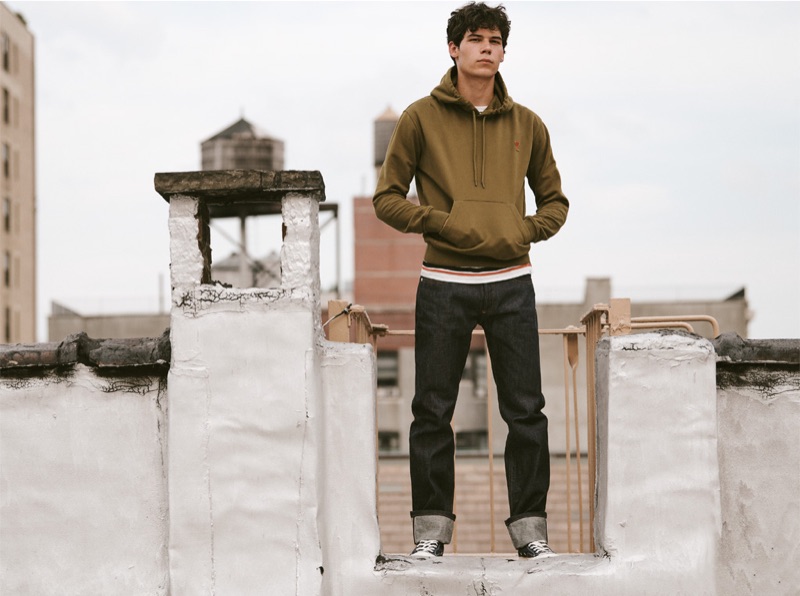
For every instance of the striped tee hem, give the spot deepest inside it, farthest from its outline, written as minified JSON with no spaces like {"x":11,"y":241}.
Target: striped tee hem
{"x":474,"y":276}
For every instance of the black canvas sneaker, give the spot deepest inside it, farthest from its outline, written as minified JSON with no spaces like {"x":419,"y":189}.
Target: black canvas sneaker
{"x":537,"y":548}
{"x":428,"y":548}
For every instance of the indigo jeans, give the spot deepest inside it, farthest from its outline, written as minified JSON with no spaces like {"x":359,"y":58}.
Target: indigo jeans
{"x":446,"y":315}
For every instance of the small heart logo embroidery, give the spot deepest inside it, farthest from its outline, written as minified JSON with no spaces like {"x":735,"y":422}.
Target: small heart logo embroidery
{"x":516,"y":146}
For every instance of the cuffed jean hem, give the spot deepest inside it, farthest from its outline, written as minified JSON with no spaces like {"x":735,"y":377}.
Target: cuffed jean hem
{"x":429,"y":525}
{"x":524,"y":529}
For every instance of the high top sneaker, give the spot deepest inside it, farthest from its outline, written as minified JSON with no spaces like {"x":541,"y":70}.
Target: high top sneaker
{"x":428,"y":548}
{"x":537,"y":548}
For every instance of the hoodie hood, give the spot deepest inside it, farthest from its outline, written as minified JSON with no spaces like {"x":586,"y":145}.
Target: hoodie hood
{"x":447,"y":93}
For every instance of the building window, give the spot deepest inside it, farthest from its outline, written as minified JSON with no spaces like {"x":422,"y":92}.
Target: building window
{"x":6,"y":42}
{"x":7,"y":325}
{"x":473,"y":440}
{"x":7,"y":215}
{"x":6,"y":160}
{"x":6,"y":106}
{"x":388,"y":441}
{"x":7,"y":270}
{"x":387,"y":369}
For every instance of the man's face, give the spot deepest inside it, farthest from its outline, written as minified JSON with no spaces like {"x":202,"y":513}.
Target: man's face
{"x":479,"y":54}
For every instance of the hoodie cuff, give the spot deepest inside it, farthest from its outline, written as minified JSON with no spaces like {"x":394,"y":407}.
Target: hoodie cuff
{"x":434,"y":221}
{"x":532,"y":232}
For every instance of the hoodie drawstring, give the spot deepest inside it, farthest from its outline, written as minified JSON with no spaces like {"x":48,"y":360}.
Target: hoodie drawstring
{"x":483,"y":150}
{"x":475,"y":150}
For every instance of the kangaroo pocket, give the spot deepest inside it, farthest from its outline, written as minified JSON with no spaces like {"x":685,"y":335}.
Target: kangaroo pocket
{"x":486,"y":229}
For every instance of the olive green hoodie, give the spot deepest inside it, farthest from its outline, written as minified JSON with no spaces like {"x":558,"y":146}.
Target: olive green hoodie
{"x":470,"y":170}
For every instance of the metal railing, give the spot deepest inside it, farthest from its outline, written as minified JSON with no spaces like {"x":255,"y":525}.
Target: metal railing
{"x":351,"y":323}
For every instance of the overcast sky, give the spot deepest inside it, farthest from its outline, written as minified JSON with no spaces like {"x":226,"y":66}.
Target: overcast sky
{"x":676,"y":127}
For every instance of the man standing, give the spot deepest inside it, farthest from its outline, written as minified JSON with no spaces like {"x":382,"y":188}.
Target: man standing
{"x":470,"y":149}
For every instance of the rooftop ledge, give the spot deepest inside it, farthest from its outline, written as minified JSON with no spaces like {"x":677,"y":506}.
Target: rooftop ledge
{"x":731,"y":348}
{"x":574,"y":564}
{"x":501,"y":574}
{"x":144,"y":353}
{"x":226,"y":188}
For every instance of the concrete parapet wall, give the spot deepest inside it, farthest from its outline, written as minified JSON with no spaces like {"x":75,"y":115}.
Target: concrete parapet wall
{"x":83,"y":487}
{"x":658,"y":486}
{"x":242,"y":451}
{"x":658,"y":514}
{"x":758,"y":403}
{"x":259,"y":477}
{"x":348,"y":520}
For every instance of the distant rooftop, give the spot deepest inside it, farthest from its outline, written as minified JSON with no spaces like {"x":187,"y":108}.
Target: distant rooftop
{"x":241,"y":128}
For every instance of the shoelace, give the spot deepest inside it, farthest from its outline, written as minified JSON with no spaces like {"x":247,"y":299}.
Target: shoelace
{"x":540,"y":547}
{"x":428,"y":546}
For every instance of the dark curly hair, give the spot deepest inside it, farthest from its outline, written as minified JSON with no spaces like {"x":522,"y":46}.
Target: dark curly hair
{"x":474,"y":16}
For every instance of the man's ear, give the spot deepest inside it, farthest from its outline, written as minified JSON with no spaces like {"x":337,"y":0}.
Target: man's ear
{"x":453,"y":49}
